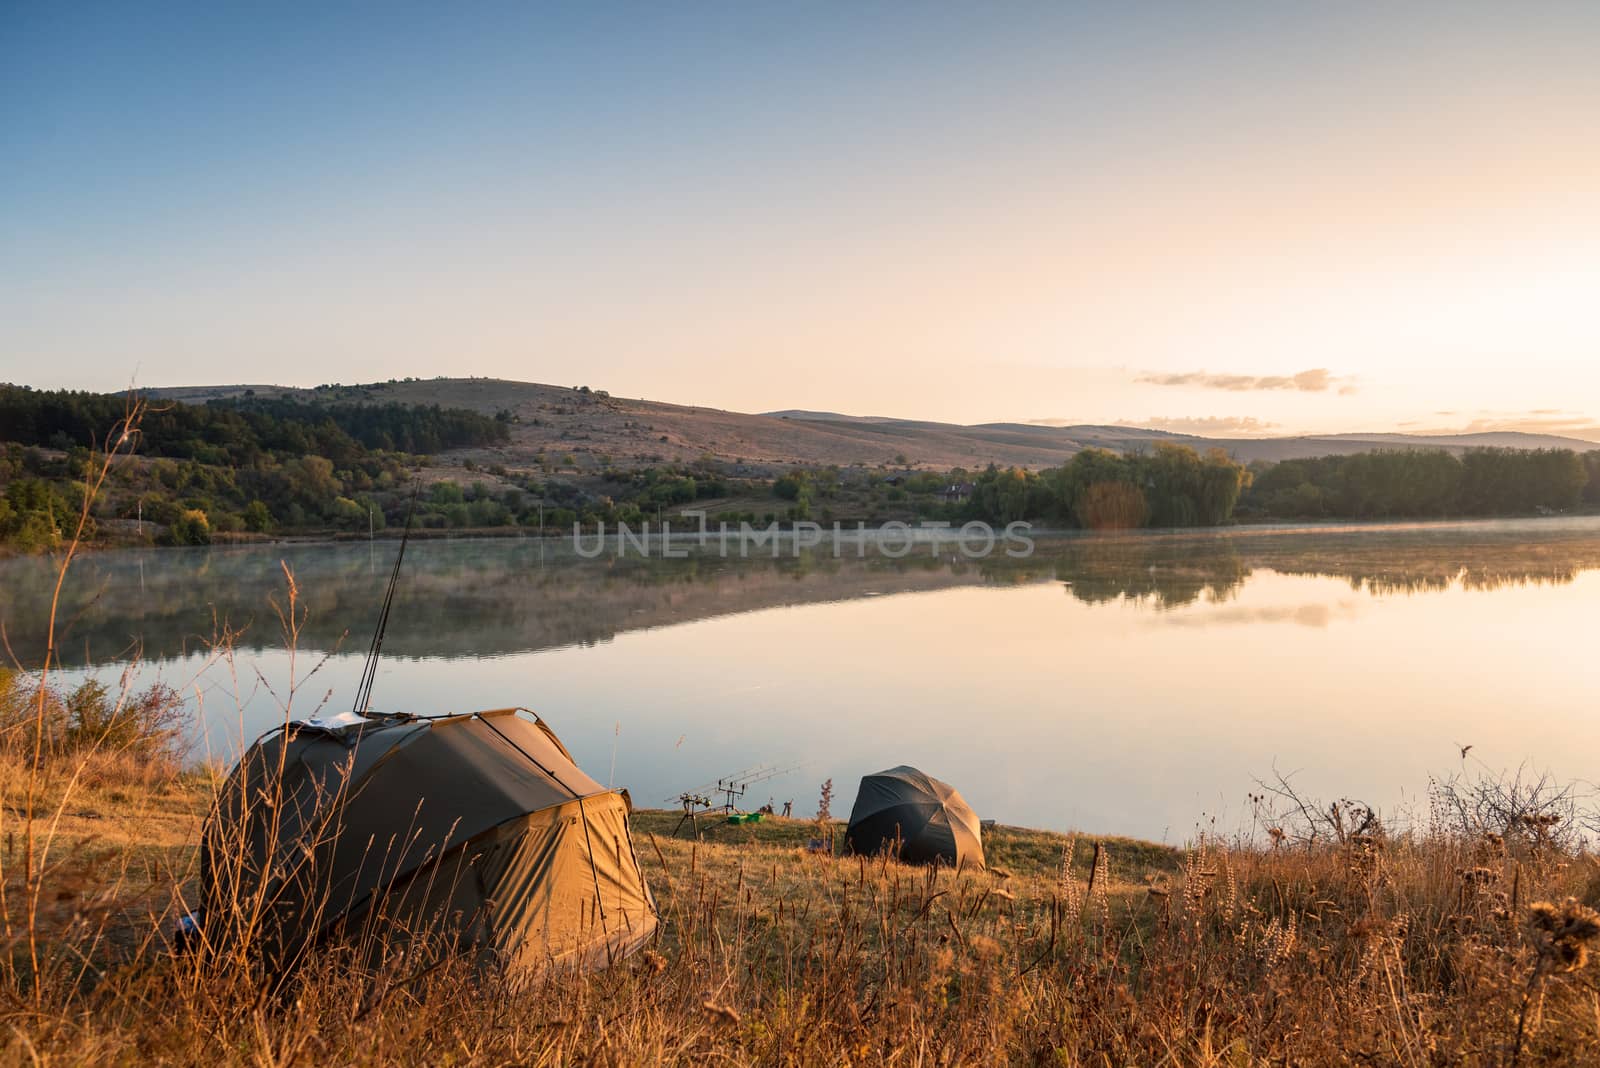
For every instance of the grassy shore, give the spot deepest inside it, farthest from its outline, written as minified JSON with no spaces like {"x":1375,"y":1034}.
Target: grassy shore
{"x":1362,"y":947}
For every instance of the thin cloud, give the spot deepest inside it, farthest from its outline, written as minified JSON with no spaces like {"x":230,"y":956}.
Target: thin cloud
{"x":1204,"y":425}
{"x":1315,"y":380}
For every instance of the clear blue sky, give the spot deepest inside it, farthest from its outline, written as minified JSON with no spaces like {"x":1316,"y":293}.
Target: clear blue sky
{"x":1157,"y":213}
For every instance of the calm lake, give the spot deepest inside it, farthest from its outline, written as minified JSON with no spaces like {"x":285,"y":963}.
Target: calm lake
{"x":1135,"y":684}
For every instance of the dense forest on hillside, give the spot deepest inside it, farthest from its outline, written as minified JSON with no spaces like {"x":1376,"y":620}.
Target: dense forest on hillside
{"x":246,"y":465}
{"x":243,"y":431}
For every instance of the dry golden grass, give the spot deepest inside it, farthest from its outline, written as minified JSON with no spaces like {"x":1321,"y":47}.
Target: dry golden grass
{"x":1429,"y":950}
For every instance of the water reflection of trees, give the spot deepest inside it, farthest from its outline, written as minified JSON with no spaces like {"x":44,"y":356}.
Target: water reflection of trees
{"x":1431,"y":564}
{"x":455,"y":598}
{"x":1481,"y":580}
{"x":1105,"y":568}
{"x":498,"y":597}
{"x":1164,"y":578}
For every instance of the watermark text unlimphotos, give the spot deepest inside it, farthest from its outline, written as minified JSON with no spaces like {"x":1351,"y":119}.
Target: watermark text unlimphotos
{"x":973,"y":540}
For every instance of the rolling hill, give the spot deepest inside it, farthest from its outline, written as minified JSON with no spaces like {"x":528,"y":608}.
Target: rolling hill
{"x":596,"y":429}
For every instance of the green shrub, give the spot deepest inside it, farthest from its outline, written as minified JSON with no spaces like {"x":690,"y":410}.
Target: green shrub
{"x":257,"y":517}
{"x":146,"y":725}
{"x":347,"y":514}
{"x":35,"y":532}
{"x":190,"y":528}
{"x":789,"y":486}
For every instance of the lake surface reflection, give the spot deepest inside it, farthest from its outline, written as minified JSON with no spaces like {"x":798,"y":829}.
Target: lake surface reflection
{"x":1133,"y":684}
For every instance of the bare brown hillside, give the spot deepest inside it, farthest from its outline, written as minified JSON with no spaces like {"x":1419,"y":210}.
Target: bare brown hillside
{"x":595,"y":429}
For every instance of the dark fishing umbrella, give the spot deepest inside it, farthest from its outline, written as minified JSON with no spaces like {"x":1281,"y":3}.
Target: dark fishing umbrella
{"x":925,"y":819}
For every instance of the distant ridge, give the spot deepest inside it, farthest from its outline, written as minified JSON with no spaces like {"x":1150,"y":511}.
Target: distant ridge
{"x":597,"y":429}
{"x":801,"y":413}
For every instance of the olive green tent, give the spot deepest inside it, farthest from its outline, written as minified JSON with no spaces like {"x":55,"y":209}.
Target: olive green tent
{"x":477,"y":833}
{"x":926,"y":819}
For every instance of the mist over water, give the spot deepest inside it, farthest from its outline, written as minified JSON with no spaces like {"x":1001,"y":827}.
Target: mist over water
{"x":1135,"y":684}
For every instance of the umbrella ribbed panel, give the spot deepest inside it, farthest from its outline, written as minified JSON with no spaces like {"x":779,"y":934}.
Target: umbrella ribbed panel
{"x":925,"y":820}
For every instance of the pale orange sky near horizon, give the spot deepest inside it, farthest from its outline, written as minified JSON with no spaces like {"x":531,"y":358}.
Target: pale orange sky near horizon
{"x":1050,"y":213}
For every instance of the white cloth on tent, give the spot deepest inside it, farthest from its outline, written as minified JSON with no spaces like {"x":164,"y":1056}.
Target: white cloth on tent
{"x":333,"y":723}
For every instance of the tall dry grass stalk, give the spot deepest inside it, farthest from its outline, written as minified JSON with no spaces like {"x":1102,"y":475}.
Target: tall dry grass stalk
{"x":38,"y":836}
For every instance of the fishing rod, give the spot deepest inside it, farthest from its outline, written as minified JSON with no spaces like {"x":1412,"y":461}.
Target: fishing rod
{"x":713,"y":787}
{"x":774,"y":773}
{"x":369,"y":671}
{"x":734,"y":786}
{"x":695,"y":802}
